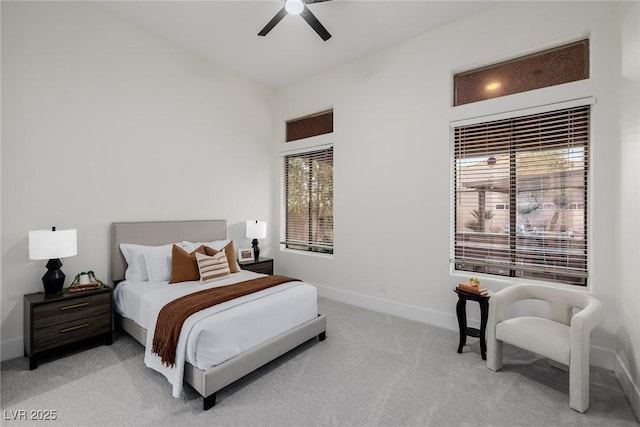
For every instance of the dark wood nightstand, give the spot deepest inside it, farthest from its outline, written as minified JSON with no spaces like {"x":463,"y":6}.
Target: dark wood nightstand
{"x":263,"y":265}
{"x":54,"y":320}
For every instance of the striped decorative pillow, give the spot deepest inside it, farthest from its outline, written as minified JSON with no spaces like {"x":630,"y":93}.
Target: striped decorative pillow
{"x":212,"y":267}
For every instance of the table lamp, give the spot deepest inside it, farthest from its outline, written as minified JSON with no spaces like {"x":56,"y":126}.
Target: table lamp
{"x":256,"y":230}
{"x":52,"y":245}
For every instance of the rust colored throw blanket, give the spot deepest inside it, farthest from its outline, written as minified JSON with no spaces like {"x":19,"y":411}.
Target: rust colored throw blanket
{"x":173,"y":314}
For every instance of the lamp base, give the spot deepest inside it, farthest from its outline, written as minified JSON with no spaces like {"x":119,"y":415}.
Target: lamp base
{"x":53,"y":279}
{"x":256,"y":249}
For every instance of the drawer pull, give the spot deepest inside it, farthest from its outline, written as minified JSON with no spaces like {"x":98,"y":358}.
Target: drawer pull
{"x":73,"y":328}
{"x":69,"y":307}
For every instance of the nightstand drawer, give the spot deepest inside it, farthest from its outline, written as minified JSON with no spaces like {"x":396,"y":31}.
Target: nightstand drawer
{"x":68,"y":332}
{"x":59,"y":312}
{"x":264,"y":268}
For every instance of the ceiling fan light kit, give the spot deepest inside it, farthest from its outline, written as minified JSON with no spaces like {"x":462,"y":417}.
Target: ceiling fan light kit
{"x":298,"y":7}
{"x":294,"y":7}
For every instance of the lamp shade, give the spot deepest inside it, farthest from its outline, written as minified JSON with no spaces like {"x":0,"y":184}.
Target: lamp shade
{"x":50,"y":244}
{"x":256,"y":229}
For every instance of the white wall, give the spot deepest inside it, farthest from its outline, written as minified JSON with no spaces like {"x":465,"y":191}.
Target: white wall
{"x":103,"y":122}
{"x":392,"y":157}
{"x":628,"y":297}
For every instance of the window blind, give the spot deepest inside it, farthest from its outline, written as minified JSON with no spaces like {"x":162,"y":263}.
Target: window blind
{"x":520,"y":196}
{"x":308,"y":196}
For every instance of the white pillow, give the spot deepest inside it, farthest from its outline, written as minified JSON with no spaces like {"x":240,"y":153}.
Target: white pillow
{"x":158,"y":260}
{"x":214,"y":244}
{"x":147,"y":263}
{"x":136,"y":266}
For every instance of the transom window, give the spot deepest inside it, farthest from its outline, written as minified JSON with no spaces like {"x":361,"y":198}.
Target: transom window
{"x":520,"y":196}
{"x":559,"y":65}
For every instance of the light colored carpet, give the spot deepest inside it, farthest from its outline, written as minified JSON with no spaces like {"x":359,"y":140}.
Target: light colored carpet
{"x":373,"y":369}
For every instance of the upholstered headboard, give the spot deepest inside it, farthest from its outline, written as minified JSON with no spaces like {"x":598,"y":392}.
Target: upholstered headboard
{"x":155,"y":233}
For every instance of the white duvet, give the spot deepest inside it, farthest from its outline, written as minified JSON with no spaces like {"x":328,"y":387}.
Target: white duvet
{"x":221,"y":332}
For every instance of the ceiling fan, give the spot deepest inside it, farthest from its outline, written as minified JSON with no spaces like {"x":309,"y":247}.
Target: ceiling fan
{"x":298,"y":7}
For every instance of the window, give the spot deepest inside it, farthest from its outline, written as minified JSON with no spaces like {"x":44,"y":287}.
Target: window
{"x":307,"y":127}
{"x":308,"y":201}
{"x":533,"y":170}
{"x":562,"y":64}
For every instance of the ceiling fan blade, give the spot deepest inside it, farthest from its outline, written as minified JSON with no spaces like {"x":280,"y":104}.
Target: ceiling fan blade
{"x":314,"y":1}
{"x":277,"y":18}
{"x":315,"y":24}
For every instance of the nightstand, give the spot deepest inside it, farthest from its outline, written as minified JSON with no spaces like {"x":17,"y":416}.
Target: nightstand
{"x":54,"y":320}
{"x":262,"y":265}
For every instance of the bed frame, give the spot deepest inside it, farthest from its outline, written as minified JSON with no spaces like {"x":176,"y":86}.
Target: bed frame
{"x":208,"y":382}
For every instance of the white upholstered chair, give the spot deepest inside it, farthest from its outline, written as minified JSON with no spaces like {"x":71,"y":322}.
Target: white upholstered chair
{"x":564,"y":337}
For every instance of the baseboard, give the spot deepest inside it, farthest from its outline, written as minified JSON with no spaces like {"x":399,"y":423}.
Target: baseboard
{"x":10,"y":349}
{"x":601,"y":357}
{"x":406,"y":311}
{"x":630,"y":389}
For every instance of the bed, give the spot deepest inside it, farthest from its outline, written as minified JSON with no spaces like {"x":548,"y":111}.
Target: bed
{"x":205,"y":379}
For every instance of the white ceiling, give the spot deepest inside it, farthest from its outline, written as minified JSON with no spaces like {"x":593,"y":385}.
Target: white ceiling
{"x":225,"y":32}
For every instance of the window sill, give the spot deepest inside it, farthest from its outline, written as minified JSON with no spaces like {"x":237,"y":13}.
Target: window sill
{"x":306,"y":253}
{"x":497,"y":283}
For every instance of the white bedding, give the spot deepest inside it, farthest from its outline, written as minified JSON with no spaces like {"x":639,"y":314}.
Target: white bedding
{"x":221,"y":332}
